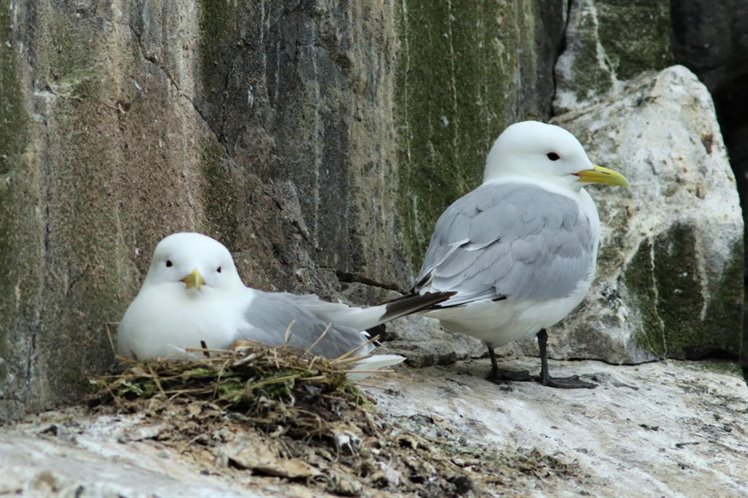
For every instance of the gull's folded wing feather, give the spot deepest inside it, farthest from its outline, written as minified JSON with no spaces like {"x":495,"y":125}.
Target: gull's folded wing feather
{"x":269,"y":315}
{"x":507,"y":240}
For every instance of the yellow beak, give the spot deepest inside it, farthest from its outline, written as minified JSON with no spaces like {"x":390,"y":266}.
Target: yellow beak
{"x":598,"y":174}
{"x":193,"y":280}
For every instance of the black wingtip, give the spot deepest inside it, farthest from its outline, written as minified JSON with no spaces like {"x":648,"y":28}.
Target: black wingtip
{"x":413,"y":303}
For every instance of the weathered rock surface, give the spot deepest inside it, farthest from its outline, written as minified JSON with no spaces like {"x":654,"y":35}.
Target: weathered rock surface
{"x":610,"y":42}
{"x":670,"y":270}
{"x":709,"y":38}
{"x":669,"y":429}
{"x":607,"y":43}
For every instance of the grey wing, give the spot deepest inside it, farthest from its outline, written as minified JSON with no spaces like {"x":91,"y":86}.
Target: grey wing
{"x":269,"y":316}
{"x":508,"y":240}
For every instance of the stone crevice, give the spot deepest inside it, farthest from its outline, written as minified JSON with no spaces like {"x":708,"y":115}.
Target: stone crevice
{"x":656,"y":296}
{"x":352,"y":277}
{"x":155,"y":63}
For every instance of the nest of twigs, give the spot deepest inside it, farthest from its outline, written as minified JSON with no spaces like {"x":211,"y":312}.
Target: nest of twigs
{"x":272,"y":388}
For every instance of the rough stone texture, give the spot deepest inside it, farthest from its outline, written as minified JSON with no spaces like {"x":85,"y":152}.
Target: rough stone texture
{"x":607,"y":43}
{"x":665,"y":429}
{"x":710,"y":38}
{"x":92,"y":152}
{"x":669,"y":280}
{"x":289,"y":130}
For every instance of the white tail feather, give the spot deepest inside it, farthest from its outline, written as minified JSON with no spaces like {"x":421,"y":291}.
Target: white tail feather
{"x":350,"y":316}
{"x":368,"y":366}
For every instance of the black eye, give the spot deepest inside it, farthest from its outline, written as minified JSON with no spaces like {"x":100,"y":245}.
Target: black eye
{"x":553,"y":156}
{"x":218,"y":269}
{"x":168,"y":263}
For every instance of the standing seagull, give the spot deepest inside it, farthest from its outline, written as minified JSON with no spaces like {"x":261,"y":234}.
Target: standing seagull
{"x":518,"y":253}
{"x":193,"y":294}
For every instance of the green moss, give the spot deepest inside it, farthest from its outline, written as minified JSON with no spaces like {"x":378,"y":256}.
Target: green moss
{"x":666,"y":286}
{"x":680,"y":299}
{"x":220,"y":195}
{"x":218,"y":30}
{"x":69,"y":47}
{"x":13,"y":117}
{"x":15,"y":194}
{"x":723,"y":322}
{"x":590,"y":77}
{"x":639,"y":280}
{"x":65,"y":54}
{"x":455,"y":82}
{"x":635,"y":35}
{"x":219,"y":35}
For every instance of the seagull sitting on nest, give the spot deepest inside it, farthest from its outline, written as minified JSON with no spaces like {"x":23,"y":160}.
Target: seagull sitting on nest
{"x":518,"y":253}
{"x":193,"y":296}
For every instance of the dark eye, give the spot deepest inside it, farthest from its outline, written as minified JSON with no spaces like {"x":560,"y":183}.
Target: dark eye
{"x":218,"y":269}
{"x":553,"y":156}
{"x":168,"y":263}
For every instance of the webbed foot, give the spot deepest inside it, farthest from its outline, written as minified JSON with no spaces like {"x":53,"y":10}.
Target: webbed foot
{"x":573,"y":382}
{"x":499,"y":375}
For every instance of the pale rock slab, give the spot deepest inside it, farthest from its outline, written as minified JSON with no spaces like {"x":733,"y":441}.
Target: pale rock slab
{"x":672,"y":428}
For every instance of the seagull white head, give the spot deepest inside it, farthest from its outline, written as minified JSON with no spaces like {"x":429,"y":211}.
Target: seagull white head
{"x":547,"y":152}
{"x":195,"y":262}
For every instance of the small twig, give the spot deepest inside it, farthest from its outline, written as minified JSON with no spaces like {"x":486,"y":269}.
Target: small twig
{"x":347,"y":355}
{"x":204,"y":347}
{"x":109,"y":334}
{"x":321,"y":336}
{"x":289,"y":333}
{"x":156,"y":380}
{"x":189,"y":443}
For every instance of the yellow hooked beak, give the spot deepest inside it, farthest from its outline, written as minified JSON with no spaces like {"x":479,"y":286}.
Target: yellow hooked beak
{"x":193,"y":280}
{"x":598,"y":174}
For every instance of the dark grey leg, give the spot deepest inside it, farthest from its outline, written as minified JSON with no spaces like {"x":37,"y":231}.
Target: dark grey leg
{"x":573,"y":382}
{"x":500,"y":375}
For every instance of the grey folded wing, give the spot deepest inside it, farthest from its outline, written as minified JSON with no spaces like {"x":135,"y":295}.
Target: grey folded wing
{"x":508,"y":241}
{"x":273,"y":317}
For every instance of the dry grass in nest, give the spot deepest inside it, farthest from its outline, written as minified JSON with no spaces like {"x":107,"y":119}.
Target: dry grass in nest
{"x":271,"y":388}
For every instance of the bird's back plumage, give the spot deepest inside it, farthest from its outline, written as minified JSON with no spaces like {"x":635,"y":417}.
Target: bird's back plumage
{"x":509,"y":240}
